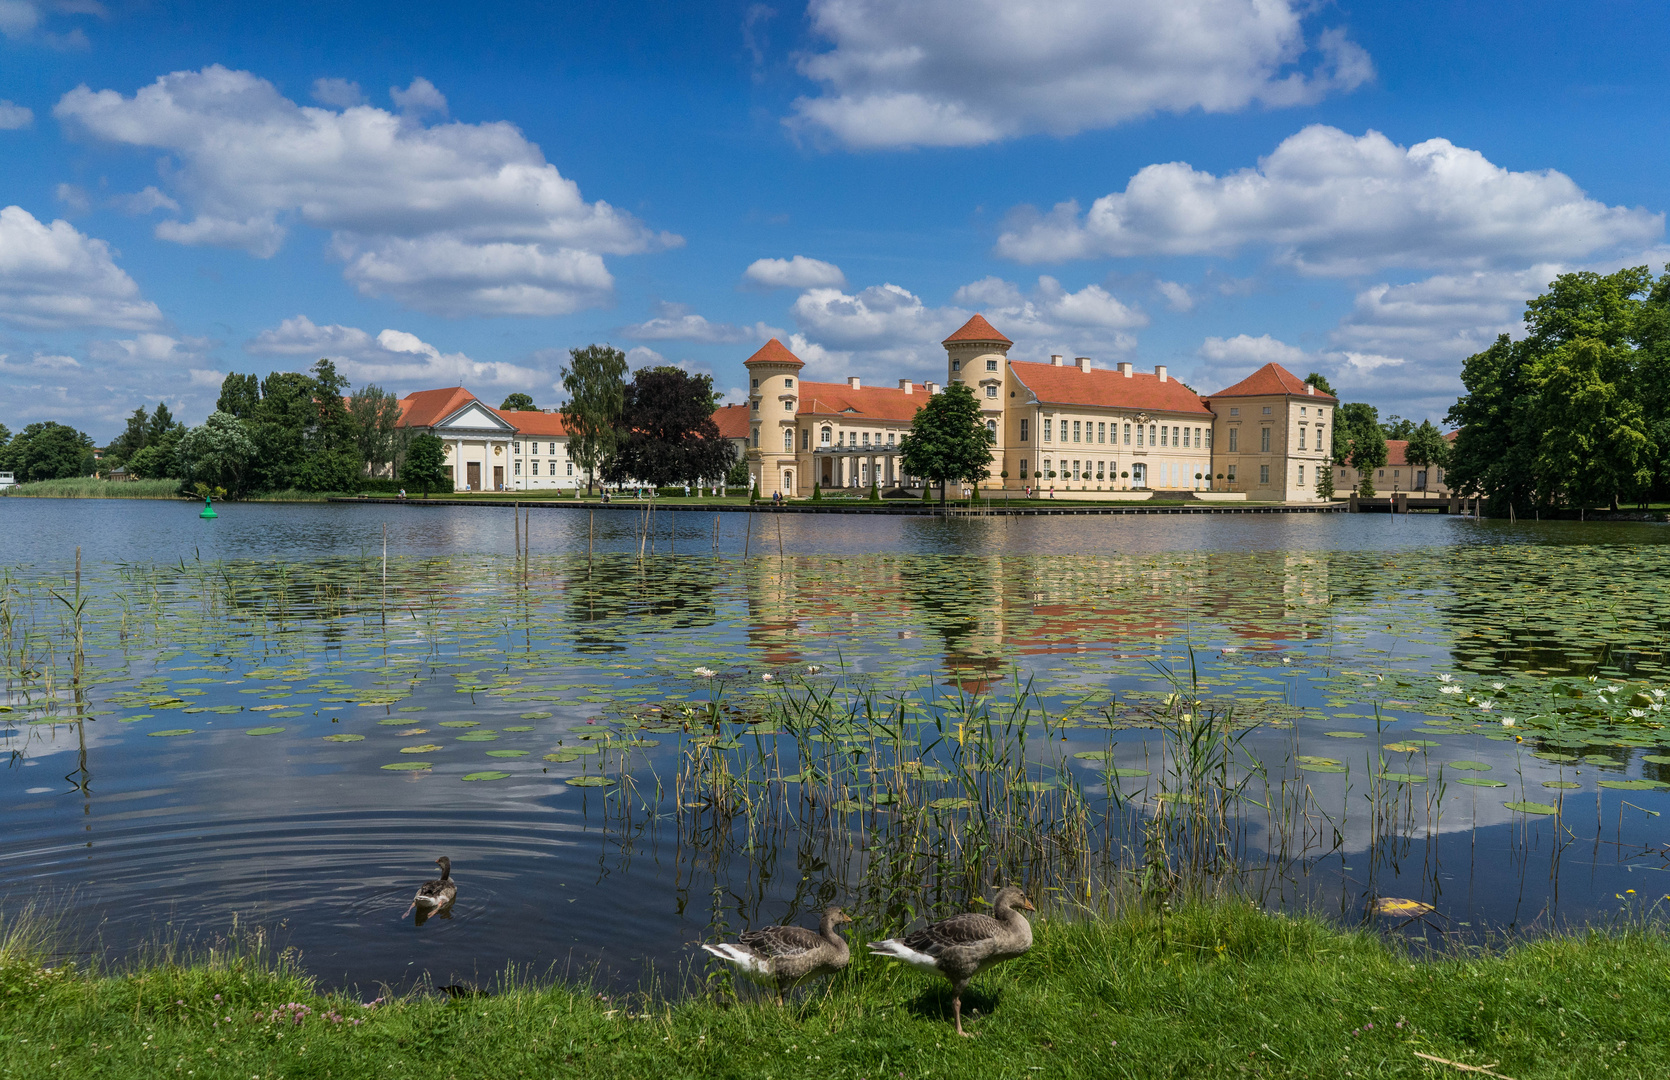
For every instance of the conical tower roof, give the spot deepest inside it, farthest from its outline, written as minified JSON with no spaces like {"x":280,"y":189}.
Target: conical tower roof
{"x":774,"y":352}
{"x":977,"y":329}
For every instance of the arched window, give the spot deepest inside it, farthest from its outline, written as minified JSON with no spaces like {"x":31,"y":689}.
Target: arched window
{"x":991,"y":429}
{"x":824,"y":435}
{"x":788,"y":439}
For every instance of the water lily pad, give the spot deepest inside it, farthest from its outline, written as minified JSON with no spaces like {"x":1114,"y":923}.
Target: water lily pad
{"x":589,"y":781}
{"x":1311,"y":759}
{"x":1562,"y":785}
{"x":394,"y":721}
{"x":507,"y":753}
{"x":1634,"y":785}
{"x":1317,"y":767}
{"x":263,"y":731}
{"x":345,"y":737}
{"x":561,"y":756}
{"x":426,"y":748}
{"x":171,"y":732}
{"x":460,"y":723}
{"x":408,"y":766}
{"x":1656,"y":759}
{"x":412,"y":708}
{"x":1345,"y":734}
{"x":1128,"y":772}
{"x":1093,"y":755}
{"x":1480,"y":781}
{"x":951,"y":804}
{"x":1531,"y":807}
{"x":1469,"y":766}
{"x":536,"y":716}
{"x":520,"y":727}
{"x":478,"y":736}
{"x":1404,"y":777}
{"x":488,"y":775}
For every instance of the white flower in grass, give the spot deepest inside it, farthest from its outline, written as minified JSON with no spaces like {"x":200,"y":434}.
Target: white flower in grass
{"x":1507,"y":721}
{"x":706,"y":672}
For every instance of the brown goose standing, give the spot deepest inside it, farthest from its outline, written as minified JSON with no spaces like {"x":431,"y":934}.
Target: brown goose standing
{"x":963,"y":946}
{"x":433,"y":896}
{"x":785,"y":955}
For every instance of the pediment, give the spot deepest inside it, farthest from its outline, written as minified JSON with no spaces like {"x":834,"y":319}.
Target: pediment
{"x":474,"y":417}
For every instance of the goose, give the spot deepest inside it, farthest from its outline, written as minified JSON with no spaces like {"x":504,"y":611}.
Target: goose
{"x":433,"y":896}
{"x":963,"y":946}
{"x":785,"y":955}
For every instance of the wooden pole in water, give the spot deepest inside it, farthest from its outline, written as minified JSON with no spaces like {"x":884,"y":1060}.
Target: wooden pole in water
{"x":747,"y":535}
{"x":591,"y":524}
{"x":716,"y":532}
{"x":516,"y":518}
{"x":779,"y":535}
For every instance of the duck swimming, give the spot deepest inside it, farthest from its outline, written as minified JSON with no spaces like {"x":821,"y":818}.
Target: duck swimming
{"x":437,"y":895}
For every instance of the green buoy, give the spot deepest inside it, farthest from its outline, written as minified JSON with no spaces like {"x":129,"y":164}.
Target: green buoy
{"x":208,"y":509}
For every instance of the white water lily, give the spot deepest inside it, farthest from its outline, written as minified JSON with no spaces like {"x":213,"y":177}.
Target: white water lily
{"x":1286,"y":660}
{"x":813,"y":669}
{"x":1445,"y":676}
{"x":705,"y":672}
{"x":1507,"y":721}
{"x":1449,"y":688}
{"x":767,"y":677}
{"x":1486,"y":706}
{"x":1658,"y":694}
{"x":1230,"y":649}
{"x":1497,"y":686}
{"x":1638,"y":713}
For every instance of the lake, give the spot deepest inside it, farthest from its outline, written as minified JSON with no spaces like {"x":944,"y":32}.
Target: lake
{"x":623,"y":756}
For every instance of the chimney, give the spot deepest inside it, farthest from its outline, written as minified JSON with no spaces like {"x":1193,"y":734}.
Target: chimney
{"x":1125,"y":368}
{"x":1160,"y":370}
{"x":906,"y":386}
{"x":933,"y":388}
{"x":1310,"y":389}
{"x":1055,"y":359}
{"x":852,"y":382}
{"x":1082,"y":363}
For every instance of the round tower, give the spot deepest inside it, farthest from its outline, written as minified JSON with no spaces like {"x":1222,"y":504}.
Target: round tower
{"x":978,"y":357}
{"x":773,"y":403}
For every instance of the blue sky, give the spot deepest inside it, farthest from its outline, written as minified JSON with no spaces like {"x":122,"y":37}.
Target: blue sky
{"x":440,"y":194}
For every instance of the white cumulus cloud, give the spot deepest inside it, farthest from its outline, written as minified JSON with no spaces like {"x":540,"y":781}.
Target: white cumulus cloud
{"x":969,"y":72}
{"x":799,"y":272}
{"x":54,"y":277}
{"x":394,"y":359}
{"x":1326,"y":202}
{"x":451,"y":218}
{"x":676,"y":322}
{"x":14,"y":116}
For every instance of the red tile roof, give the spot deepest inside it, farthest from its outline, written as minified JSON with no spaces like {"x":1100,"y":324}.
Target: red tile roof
{"x":1107,"y":389}
{"x":732,"y":420}
{"x":1395,"y":449}
{"x":774,"y":352}
{"x":868,"y":403}
{"x":426,"y":408}
{"x":1272,"y":378}
{"x":977,"y":329}
{"x":546,"y":424}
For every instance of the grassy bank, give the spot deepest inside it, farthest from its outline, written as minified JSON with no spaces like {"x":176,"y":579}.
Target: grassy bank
{"x":1207,"y":992}
{"x":88,"y":488}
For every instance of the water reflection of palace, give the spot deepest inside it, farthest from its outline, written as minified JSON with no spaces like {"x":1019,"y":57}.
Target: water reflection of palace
{"x":985,"y":612}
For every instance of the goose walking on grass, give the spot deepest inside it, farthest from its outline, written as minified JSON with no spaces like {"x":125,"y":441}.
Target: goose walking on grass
{"x":963,"y":946}
{"x":437,"y":895}
{"x":781,"y":956}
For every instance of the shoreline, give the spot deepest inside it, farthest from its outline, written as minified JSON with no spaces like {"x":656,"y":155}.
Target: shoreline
{"x":1211,"y":989}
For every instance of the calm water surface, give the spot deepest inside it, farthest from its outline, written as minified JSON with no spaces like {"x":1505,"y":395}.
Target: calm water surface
{"x":1327,"y":636}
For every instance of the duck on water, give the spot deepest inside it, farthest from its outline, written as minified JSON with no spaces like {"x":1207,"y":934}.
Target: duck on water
{"x":434,"y":896}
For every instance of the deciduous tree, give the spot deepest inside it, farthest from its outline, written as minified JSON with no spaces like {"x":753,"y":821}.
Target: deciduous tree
{"x":217,"y":452}
{"x":518,"y":403}
{"x":670,"y":436}
{"x":948,"y":442}
{"x":425,"y":467}
{"x":595,"y":382}
{"x":1427,"y":449}
{"x":48,"y":451}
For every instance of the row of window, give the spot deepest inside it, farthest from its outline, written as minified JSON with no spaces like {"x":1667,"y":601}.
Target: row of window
{"x":991,"y":365}
{"x":551,"y":468}
{"x":1097,"y":432}
{"x":533,"y":448}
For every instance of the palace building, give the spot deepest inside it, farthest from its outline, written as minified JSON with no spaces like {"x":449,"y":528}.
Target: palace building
{"x":1072,"y":429}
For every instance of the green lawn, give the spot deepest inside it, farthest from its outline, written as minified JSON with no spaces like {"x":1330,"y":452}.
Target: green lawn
{"x":1224,"y":991}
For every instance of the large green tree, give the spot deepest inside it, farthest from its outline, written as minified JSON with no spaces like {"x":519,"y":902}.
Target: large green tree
{"x":518,"y":403}
{"x":948,"y":442}
{"x":1594,"y":446}
{"x":1427,"y":450}
{"x":48,"y":451}
{"x":1398,"y":427}
{"x":239,"y":396}
{"x":282,"y":418}
{"x":595,"y":380}
{"x":670,"y":436}
{"x":1364,"y":442}
{"x":377,"y":431}
{"x":425,"y":467}
{"x":218,"y":452}
{"x":331,"y":460}
{"x":1317,"y":380}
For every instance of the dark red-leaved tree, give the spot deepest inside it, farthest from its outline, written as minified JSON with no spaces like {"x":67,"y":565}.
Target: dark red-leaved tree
{"x":668,"y":434}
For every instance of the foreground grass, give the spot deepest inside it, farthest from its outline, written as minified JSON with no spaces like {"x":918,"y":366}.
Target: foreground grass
{"x":1223,"y":991}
